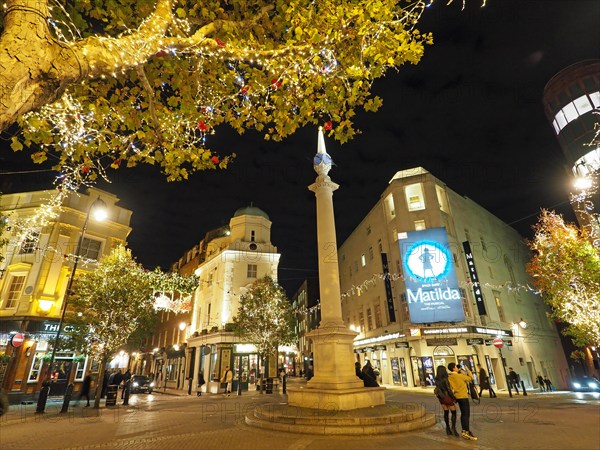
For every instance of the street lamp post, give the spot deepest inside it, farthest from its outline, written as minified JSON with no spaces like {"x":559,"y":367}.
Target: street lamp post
{"x":99,"y":206}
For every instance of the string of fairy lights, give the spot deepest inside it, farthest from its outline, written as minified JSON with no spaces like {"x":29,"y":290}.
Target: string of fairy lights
{"x":243,"y":77}
{"x":359,"y":289}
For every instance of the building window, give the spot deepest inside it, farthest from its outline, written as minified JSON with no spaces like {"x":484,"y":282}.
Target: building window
{"x":483,"y":246}
{"x":368,"y":229}
{"x":511,"y":272}
{"x":419,"y":225}
{"x":378,"y":322}
{"x":369,"y":319}
{"x":414,"y":197}
{"x":465,"y":303}
{"x":363,"y":260}
{"x":208,"y":315}
{"x":80,"y":370}
{"x":252,"y":235}
{"x":498,"y":301}
{"x":389,"y":204}
{"x":361,"y":318}
{"x":34,"y":373}
{"x":371,"y":253}
{"x":15,"y":288}
{"x":404,"y":308}
{"x":29,"y":244}
{"x":379,"y":246}
{"x":252,"y":270}
{"x":90,"y":248}
{"x":442,"y":197}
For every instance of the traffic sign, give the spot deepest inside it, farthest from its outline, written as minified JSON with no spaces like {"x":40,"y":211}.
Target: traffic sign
{"x":498,"y":342}
{"x":17,"y":339}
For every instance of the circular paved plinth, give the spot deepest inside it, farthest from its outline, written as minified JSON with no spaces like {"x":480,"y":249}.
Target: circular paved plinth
{"x":393,"y":417}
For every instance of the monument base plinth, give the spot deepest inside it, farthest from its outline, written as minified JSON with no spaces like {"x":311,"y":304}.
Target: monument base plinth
{"x":335,"y":399}
{"x":389,"y":418}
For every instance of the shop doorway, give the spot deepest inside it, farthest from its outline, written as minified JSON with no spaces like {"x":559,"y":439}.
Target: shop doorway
{"x":442,"y":356}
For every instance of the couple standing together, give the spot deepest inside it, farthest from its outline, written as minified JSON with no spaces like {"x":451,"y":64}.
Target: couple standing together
{"x":451,"y":387}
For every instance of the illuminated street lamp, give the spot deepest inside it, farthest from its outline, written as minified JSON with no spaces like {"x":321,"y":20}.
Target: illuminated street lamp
{"x":98,"y":207}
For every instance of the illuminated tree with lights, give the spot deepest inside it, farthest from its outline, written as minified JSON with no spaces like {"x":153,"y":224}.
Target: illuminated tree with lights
{"x":108,"y":306}
{"x":99,"y":84}
{"x":566,"y":269}
{"x":265,"y":318}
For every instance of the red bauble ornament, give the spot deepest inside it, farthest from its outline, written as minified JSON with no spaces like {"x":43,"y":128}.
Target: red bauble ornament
{"x":244,"y":89}
{"x":215,"y":159}
{"x":275,"y":83}
{"x":328,"y":125}
{"x":85,"y":169}
{"x":219,"y":42}
{"x":202,"y":126}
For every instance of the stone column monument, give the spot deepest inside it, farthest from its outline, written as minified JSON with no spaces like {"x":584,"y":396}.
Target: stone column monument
{"x":335,"y":384}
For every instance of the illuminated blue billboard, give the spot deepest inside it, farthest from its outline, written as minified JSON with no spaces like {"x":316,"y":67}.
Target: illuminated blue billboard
{"x":432,"y":292}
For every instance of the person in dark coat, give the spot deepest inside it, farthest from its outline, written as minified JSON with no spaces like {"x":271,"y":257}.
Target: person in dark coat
{"x":484,"y":382}
{"x":201,"y":382}
{"x":126,"y":378}
{"x":85,"y":389}
{"x":444,"y":394}
{"x":370,"y":380}
{"x":513,"y":380}
{"x":540,"y":381}
{"x":359,"y":374}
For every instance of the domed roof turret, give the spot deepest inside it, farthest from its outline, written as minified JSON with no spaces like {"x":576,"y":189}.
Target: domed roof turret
{"x":251,"y":211}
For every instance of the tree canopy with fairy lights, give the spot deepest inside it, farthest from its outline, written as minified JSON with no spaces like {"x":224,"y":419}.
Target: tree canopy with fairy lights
{"x":115,"y":303}
{"x":120,"y":82}
{"x":566,"y":269}
{"x":265,"y":317}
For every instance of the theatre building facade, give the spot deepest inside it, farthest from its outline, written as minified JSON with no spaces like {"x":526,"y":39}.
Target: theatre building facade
{"x":429,"y":277}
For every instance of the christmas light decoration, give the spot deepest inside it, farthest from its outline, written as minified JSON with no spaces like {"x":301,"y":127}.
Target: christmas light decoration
{"x":566,"y":269}
{"x":139,"y":91}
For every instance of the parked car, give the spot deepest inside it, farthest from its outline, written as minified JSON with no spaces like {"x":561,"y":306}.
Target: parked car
{"x":586,"y":384}
{"x":141,"y":383}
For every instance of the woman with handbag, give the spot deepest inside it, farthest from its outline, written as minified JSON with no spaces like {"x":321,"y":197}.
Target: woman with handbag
{"x":484,"y":382}
{"x":443,"y":392}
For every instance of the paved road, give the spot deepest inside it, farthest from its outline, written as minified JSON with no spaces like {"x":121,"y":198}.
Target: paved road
{"x":161,"y":421}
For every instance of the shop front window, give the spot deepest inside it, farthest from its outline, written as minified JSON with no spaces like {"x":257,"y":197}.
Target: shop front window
{"x":34,"y":373}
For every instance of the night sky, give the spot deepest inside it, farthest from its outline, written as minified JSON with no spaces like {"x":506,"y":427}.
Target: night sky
{"x":470,"y":112}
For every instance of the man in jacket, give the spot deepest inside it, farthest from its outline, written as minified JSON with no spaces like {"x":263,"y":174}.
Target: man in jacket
{"x":458,"y":378}
{"x":513,"y":380}
{"x":228,"y":379}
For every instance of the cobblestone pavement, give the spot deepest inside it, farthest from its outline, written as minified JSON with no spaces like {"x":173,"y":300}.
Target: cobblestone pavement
{"x":161,"y":421}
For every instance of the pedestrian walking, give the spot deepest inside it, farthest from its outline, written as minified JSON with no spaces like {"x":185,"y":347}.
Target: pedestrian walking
{"x":126,"y":378}
{"x":370,"y":379}
{"x":85,"y":389}
{"x":443,"y":391}
{"x":548,"y":384}
{"x":309,"y":373}
{"x":201,"y":382}
{"x":458,"y":378}
{"x":513,"y":380}
{"x":484,"y":382}
{"x":227,"y":378}
{"x":540,"y":382}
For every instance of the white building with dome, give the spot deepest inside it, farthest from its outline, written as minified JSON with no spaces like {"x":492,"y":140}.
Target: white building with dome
{"x":231,"y":259}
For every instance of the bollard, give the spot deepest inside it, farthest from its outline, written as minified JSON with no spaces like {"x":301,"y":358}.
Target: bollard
{"x":523,"y":387}
{"x":284,"y":383}
{"x":41,"y":404}
{"x":67,"y":399}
